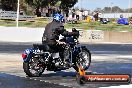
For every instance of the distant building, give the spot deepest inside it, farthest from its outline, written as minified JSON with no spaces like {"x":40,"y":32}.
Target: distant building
{"x":115,"y":15}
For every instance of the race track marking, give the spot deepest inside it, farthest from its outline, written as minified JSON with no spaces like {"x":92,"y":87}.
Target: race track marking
{"x":121,"y":86}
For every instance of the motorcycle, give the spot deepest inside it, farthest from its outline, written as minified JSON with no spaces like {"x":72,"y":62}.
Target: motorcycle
{"x":41,"y":57}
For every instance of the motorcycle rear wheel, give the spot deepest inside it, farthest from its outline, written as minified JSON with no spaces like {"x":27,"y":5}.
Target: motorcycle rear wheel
{"x":33,"y":68}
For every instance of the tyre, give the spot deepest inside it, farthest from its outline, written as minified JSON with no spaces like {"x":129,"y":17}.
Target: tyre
{"x":83,"y":60}
{"x":33,"y":68}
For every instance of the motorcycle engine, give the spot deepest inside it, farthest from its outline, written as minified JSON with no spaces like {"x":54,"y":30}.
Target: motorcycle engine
{"x":55,"y":55}
{"x":56,"y":59}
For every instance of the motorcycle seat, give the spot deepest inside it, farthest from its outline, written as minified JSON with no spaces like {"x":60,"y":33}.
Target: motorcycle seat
{"x":44,"y":47}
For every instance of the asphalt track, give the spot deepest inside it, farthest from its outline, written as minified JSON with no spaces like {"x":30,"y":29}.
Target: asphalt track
{"x":12,"y":81}
{"x":118,"y":61}
{"x":18,"y":47}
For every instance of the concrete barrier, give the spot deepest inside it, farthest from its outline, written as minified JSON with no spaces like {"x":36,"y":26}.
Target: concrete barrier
{"x":95,"y":36}
{"x":123,"y":37}
{"x":91,"y":36}
{"x":22,"y":34}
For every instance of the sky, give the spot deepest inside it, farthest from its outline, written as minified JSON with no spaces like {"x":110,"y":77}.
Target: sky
{"x":93,"y":4}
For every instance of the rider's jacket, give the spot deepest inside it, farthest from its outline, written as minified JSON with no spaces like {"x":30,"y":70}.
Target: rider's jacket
{"x":53,"y":31}
{"x":50,"y":33}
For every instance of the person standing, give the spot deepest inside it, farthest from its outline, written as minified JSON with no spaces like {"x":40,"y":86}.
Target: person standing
{"x":73,"y":14}
{"x":85,"y":14}
{"x":77,"y":14}
{"x":67,"y":14}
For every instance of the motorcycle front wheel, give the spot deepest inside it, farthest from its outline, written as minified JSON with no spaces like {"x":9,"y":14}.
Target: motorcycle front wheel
{"x":83,"y":60}
{"x":33,"y":68}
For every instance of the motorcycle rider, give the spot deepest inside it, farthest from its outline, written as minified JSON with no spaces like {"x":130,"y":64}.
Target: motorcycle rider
{"x":52,"y":32}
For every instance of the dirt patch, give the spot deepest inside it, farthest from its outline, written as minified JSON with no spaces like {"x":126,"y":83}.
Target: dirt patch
{"x":10,"y":61}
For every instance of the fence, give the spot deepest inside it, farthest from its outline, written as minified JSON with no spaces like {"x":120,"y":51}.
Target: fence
{"x":12,"y":16}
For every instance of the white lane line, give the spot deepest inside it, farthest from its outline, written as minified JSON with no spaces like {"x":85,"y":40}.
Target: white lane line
{"x":121,"y":86}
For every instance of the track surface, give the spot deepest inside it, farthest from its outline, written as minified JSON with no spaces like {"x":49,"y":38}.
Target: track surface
{"x":106,"y":58}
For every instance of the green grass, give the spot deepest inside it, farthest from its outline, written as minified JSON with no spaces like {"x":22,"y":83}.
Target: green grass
{"x":41,"y":22}
{"x":98,"y":26}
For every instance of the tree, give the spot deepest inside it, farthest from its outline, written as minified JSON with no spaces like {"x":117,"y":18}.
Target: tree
{"x":116,"y":9}
{"x":9,"y":5}
{"x":107,"y":9}
{"x":112,"y":9}
{"x":37,"y":4}
{"x":98,"y":9}
{"x":66,"y":4}
{"x":128,"y":10}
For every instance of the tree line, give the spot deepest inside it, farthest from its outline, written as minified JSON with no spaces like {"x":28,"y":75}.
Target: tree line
{"x":29,"y":6}
{"x":114,"y":9}
{"x":11,"y":5}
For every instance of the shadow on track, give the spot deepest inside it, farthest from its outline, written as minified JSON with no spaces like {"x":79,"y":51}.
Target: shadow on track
{"x":60,"y":73}
{"x":12,"y":81}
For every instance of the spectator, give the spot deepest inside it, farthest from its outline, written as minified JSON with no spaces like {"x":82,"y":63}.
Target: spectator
{"x":21,"y":12}
{"x":85,"y":14}
{"x":80,"y":15}
{"x":54,"y":12}
{"x":67,"y":14}
{"x":38,"y":12}
{"x":77,"y":14}
{"x":49,"y":12}
{"x":73,"y":13}
{"x":96,"y":16}
{"x":46,"y":11}
{"x":43,"y":12}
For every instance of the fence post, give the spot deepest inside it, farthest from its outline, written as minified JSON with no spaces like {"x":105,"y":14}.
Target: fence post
{"x":17,"y":19}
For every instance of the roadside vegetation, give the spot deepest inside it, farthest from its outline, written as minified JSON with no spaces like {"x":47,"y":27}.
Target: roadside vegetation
{"x":41,"y":22}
